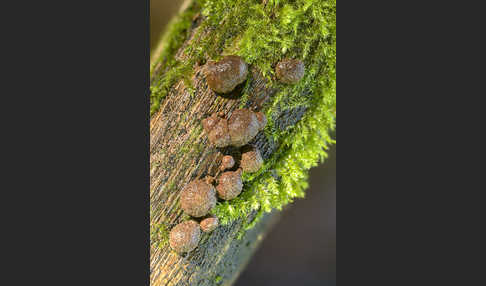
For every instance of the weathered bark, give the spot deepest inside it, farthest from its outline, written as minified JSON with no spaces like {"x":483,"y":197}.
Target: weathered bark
{"x":179,"y":153}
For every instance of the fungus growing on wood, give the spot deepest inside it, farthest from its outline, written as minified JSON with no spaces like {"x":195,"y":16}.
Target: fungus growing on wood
{"x":238,"y":130}
{"x":217,"y":129}
{"x":230,"y":185}
{"x":209,"y":224}
{"x":251,"y":161}
{"x":290,"y":70}
{"x":198,"y":198}
{"x":243,"y":126}
{"x":262,"y":119}
{"x":225,"y":75}
{"x":227,"y":163}
{"x":210,"y":122}
{"x":185,"y":236}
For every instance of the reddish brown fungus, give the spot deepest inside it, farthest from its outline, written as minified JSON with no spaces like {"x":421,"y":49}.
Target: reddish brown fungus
{"x":251,"y":161}
{"x":230,"y":185}
{"x":217,"y":129}
{"x":211,"y":121}
{"x":262,"y":120}
{"x":290,"y":70}
{"x":209,"y":224}
{"x":185,"y":236}
{"x":225,"y":75}
{"x":227,"y":163}
{"x":198,"y":198}
{"x":243,"y":126}
{"x":238,"y":130}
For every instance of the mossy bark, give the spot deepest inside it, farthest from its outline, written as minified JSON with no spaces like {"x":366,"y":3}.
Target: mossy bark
{"x":180,"y":152}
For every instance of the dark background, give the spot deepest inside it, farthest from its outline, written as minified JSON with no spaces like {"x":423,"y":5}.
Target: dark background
{"x":301,"y":248}
{"x":74,"y":203}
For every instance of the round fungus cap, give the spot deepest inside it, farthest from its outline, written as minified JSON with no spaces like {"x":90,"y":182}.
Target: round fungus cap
{"x":209,"y":224}
{"x":243,"y":126}
{"x":219,"y":135}
{"x":227,"y":163}
{"x":225,"y":75}
{"x":262,"y":120}
{"x":251,"y":161}
{"x":217,"y":130}
{"x":290,"y":70}
{"x":198,"y":198}
{"x":185,"y":236}
{"x":230,"y":185}
{"x":238,"y":130}
{"x":210,"y":122}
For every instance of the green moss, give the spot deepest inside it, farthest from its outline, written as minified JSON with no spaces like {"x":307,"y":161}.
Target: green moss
{"x":159,"y":235}
{"x":173,"y":70}
{"x":160,"y":88}
{"x":263,"y":35}
{"x":218,"y":279}
{"x":173,"y":38}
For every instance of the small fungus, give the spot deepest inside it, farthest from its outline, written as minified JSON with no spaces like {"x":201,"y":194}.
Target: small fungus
{"x":238,"y":130}
{"x":209,"y":224}
{"x":290,"y":70}
{"x":185,"y":236}
{"x":225,"y":75}
{"x":251,"y":161}
{"x":217,"y":129}
{"x":211,"y":121}
{"x":230,"y":185}
{"x":227,"y":163}
{"x":262,"y":120}
{"x":198,"y":198}
{"x":243,"y":126}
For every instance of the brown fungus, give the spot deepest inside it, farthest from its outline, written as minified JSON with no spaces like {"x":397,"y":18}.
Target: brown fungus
{"x":230,"y":185}
{"x":225,"y":75}
{"x":209,"y":224}
{"x":209,"y":180}
{"x":227,"y":163}
{"x":217,"y":130}
{"x":210,"y":122}
{"x":198,"y":198}
{"x":243,"y":126}
{"x":238,"y":130}
{"x":185,"y":236}
{"x":290,"y":70}
{"x":262,"y":120}
{"x":251,"y":161}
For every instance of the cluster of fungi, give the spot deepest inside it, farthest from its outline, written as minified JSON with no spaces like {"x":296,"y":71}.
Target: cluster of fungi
{"x":200,"y":195}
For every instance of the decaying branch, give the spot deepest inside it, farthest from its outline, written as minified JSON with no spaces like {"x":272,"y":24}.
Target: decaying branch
{"x":179,"y":153}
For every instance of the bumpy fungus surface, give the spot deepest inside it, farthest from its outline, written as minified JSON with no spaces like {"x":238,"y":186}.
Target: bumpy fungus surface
{"x":198,"y":198}
{"x":238,"y":130}
{"x":230,"y":185}
{"x":185,"y":236}
{"x":227,"y":162}
{"x":243,"y":126}
{"x":251,"y":161}
{"x":225,"y":75}
{"x":217,"y":130}
{"x":262,"y":120}
{"x":290,"y":71}
{"x":209,"y":224}
{"x":210,"y":122}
